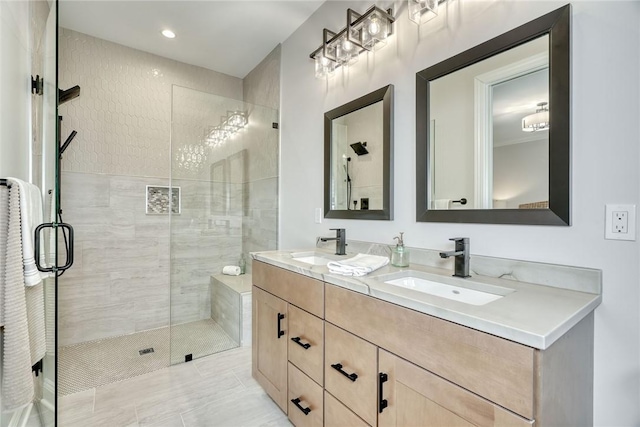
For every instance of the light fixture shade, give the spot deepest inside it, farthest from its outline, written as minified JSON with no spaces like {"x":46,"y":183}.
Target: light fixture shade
{"x":346,"y":52}
{"x":537,"y":121}
{"x":421,"y":11}
{"x":374,"y":29}
{"x":324,"y":66}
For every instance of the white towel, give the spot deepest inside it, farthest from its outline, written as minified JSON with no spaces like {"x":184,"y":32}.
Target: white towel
{"x":31,"y":217}
{"x":231,"y":270}
{"x":359,"y":265}
{"x":442,"y":204}
{"x":20,"y":352}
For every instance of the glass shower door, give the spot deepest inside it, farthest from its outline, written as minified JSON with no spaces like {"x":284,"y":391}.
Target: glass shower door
{"x":223,"y":175}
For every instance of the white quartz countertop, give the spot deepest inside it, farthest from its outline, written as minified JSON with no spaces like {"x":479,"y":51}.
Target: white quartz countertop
{"x":531,"y":314}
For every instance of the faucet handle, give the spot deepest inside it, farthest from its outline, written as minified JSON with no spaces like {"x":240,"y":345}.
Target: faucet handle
{"x":459,"y":239}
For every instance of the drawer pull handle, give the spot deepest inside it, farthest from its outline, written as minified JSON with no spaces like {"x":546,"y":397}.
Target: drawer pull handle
{"x":382,"y":378}
{"x":297,"y":341}
{"x":338,"y":367}
{"x":280,"y":331}
{"x":296,"y":402}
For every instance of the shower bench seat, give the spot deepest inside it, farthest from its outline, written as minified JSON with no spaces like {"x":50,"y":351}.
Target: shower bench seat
{"x":231,"y":306}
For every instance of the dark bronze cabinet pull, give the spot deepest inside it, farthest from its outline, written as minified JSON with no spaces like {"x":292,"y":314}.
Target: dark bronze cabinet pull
{"x":280,"y":331}
{"x":382,"y":403}
{"x":297,"y":341}
{"x":338,"y":367}
{"x":296,"y":402}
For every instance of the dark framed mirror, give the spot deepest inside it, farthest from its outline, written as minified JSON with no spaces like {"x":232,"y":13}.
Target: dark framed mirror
{"x":493,"y":129}
{"x":358,"y":158}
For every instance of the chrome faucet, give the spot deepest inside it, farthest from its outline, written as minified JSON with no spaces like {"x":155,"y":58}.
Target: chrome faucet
{"x":341,"y":240}
{"x":461,"y":253}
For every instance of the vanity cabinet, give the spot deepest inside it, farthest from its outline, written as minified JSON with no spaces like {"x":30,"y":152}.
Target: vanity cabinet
{"x":329,"y":356}
{"x":288,"y":341}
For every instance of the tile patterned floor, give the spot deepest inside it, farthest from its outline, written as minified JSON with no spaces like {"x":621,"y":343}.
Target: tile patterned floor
{"x":97,"y":363}
{"x":216,"y":390}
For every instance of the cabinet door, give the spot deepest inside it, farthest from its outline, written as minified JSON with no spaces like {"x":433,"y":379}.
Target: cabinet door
{"x":416,"y":397}
{"x":269,"y":361}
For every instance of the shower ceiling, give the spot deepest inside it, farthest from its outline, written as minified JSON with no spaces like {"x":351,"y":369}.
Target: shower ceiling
{"x":231,"y":37}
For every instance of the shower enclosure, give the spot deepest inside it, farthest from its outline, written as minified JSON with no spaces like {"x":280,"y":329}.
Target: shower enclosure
{"x":223,"y":151}
{"x":140,"y":297}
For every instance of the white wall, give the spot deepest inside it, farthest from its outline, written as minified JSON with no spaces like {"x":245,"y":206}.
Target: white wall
{"x":605,"y":157}
{"x":15,"y":72}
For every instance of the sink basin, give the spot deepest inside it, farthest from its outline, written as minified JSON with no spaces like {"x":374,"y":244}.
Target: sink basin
{"x":461,"y":290}
{"x":312,"y":258}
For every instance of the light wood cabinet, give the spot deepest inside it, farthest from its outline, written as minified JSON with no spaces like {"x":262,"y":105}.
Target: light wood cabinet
{"x":416,"y":397}
{"x":288,"y":341}
{"x":361,"y":361}
{"x":269,"y":340}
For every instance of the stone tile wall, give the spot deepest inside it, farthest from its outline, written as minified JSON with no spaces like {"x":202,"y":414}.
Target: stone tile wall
{"x":135,"y":271}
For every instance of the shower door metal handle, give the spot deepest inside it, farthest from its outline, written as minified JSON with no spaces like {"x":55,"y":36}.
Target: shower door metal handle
{"x":55,"y":268}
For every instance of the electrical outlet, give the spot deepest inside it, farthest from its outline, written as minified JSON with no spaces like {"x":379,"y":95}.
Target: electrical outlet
{"x":620,"y":222}
{"x":318,"y":215}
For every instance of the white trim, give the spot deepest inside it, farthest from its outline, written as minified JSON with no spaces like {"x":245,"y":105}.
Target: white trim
{"x":483,"y":123}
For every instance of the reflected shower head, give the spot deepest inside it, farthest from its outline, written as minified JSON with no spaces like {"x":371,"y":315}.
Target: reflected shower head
{"x":359,"y":148}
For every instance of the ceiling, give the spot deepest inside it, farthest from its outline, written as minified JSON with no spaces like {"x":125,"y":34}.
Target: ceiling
{"x":230,"y":37}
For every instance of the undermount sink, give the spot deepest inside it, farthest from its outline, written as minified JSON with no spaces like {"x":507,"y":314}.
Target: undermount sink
{"x":465,"y":291}
{"x":312,"y":258}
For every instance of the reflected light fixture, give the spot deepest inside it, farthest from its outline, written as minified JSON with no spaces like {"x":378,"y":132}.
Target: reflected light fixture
{"x":364,"y":32}
{"x":169,"y":34}
{"x":191,"y":157}
{"x":421,"y":11}
{"x":537,"y":121}
{"x":229,"y":125}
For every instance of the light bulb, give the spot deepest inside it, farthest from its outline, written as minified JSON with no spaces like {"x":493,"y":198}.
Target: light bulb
{"x":374,"y":25}
{"x":347,"y":45}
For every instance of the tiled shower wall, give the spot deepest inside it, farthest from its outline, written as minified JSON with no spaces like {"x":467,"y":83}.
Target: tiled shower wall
{"x":120,"y":281}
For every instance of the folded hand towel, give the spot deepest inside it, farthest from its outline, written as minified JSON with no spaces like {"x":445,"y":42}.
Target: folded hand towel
{"x":31,"y":217}
{"x":442,"y":204}
{"x":359,"y":265}
{"x":231,"y":270}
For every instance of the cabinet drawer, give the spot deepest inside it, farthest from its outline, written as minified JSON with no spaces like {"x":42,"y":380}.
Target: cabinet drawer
{"x":306,"y":343}
{"x":305,"y":400}
{"x":416,"y":396}
{"x":498,"y":369}
{"x":346,"y":354}
{"x":338,"y":415}
{"x":299,"y":290}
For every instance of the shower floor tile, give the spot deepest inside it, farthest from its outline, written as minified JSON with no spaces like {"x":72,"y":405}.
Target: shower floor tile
{"x":96,"y":363}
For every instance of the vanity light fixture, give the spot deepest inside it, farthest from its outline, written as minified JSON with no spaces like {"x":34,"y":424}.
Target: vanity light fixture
{"x":537,"y":121}
{"x":229,"y":125}
{"x":421,"y":11}
{"x":169,"y":34}
{"x":364,"y":32}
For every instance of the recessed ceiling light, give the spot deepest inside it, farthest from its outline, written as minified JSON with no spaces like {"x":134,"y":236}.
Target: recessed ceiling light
{"x":168,"y":34}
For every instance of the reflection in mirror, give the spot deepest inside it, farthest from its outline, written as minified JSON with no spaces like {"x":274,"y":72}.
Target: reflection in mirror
{"x":498,"y":92}
{"x":358,"y":151}
{"x":356,"y":159}
{"x":493,"y":129}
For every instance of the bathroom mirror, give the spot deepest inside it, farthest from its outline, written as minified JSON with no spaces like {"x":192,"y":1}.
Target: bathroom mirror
{"x":493,"y":129}
{"x":358,"y":164}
